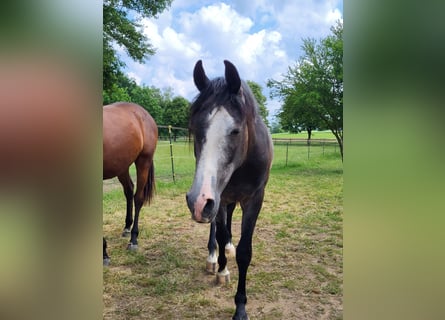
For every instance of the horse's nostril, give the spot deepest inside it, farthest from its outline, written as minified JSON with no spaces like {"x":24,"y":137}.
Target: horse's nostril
{"x":209,"y":205}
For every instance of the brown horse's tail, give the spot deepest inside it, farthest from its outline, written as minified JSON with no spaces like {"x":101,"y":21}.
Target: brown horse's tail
{"x":150,"y":186}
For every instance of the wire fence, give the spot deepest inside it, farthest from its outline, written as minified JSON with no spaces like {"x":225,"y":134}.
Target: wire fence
{"x":299,"y":149}
{"x":174,"y":157}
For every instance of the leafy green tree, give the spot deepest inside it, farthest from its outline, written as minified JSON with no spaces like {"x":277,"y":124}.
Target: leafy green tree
{"x":121,"y":27}
{"x":312,"y":90}
{"x":150,"y":98}
{"x":296,"y":116}
{"x":276,"y":126}
{"x":261,"y":99}
{"x":115,"y":94}
{"x":120,"y":89}
{"x":176,"y":114}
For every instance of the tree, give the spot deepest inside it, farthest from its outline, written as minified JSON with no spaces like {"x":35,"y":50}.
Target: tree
{"x":295,"y":116}
{"x":119,"y":29}
{"x":176,"y":113}
{"x":275,"y":127}
{"x":312,"y":90}
{"x":261,"y":99}
{"x":120,"y":89}
{"x":150,"y":98}
{"x":115,"y":94}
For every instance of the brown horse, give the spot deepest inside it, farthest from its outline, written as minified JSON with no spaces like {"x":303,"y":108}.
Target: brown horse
{"x":129,"y":136}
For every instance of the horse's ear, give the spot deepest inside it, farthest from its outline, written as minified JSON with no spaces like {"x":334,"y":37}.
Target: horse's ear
{"x":232,"y":77}
{"x":199,"y":76}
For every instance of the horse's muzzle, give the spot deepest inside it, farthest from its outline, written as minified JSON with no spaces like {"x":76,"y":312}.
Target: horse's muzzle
{"x":203,"y":208}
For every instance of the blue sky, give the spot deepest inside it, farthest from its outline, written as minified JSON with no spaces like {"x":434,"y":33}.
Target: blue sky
{"x":261,"y":37}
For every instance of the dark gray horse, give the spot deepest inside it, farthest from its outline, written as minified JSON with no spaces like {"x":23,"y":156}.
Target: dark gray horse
{"x":233,"y":151}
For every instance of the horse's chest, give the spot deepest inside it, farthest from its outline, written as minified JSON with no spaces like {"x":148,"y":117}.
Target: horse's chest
{"x":241,"y":185}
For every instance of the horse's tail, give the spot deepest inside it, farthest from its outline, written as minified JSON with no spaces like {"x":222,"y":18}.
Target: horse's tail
{"x":150,"y":186}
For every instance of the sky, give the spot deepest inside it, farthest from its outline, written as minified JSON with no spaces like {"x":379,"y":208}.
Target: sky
{"x":261,"y":37}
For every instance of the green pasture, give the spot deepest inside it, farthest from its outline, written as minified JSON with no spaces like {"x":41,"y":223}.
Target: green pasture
{"x":303,"y":135}
{"x":293,"y":154}
{"x":296,"y":270}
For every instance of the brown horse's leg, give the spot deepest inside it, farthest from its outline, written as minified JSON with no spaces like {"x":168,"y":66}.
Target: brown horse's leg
{"x":143,"y":164}
{"x":105,"y":254}
{"x":128,"y":186}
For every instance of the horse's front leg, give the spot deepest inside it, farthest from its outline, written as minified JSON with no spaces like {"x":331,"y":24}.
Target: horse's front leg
{"x":251,"y":209}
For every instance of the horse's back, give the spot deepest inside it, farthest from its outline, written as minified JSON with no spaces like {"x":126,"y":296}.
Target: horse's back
{"x":128,"y":131}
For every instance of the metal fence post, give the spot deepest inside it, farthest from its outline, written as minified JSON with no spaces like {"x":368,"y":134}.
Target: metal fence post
{"x":308,"y":150}
{"x":287,"y":152}
{"x":171,"y":152}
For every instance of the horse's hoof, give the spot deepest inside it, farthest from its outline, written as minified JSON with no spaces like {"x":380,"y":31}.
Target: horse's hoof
{"x":230,"y":250}
{"x":240,"y":313}
{"x":107,"y":261}
{"x":243,"y":317}
{"x":223,"y":277}
{"x":132,"y":247}
{"x":126,"y":233}
{"x":211,"y":267}
{"x":212,"y":263}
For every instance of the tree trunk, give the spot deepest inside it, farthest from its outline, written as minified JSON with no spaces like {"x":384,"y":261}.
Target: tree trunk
{"x":309,"y":135}
{"x":339,"y":138}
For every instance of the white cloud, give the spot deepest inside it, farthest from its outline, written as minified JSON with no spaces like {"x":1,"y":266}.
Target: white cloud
{"x":135,"y":77}
{"x":333,"y":16}
{"x":262,"y":38}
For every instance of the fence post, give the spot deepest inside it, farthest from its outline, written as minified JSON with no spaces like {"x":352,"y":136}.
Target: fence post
{"x":287,"y":152}
{"x":308,"y":150}
{"x":171,"y":152}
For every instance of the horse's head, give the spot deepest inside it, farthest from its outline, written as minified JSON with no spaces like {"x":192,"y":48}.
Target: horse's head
{"x":219,"y":123}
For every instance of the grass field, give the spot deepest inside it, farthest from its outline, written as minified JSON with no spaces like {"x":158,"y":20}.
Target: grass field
{"x":303,"y":135}
{"x":296,"y":270}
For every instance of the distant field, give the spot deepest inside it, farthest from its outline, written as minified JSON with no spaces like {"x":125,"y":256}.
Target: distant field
{"x":303,"y":135}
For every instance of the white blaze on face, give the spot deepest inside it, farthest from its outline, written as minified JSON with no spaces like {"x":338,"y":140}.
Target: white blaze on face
{"x":212,"y":152}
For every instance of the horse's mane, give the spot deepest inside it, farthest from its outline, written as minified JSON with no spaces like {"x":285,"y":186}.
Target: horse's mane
{"x":217,"y":94}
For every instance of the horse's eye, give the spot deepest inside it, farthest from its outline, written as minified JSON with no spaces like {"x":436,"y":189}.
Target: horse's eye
{"x":234,"y":132}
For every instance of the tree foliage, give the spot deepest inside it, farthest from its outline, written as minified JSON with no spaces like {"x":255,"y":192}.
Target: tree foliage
{"x":312,"y":90}
{"x":176,"y":112}
{"x":121,"y":28}
{"x":257,"y":91}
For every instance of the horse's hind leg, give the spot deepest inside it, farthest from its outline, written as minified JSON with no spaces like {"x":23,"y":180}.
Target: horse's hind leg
{"x":143,"y":164}
{"x":222,"y":237}
{"x":212,"y":259}
{"x":230,"y":248}
{"x":128,"y":187}
{"x":105,"y":254}
{"x":212,"y":245}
